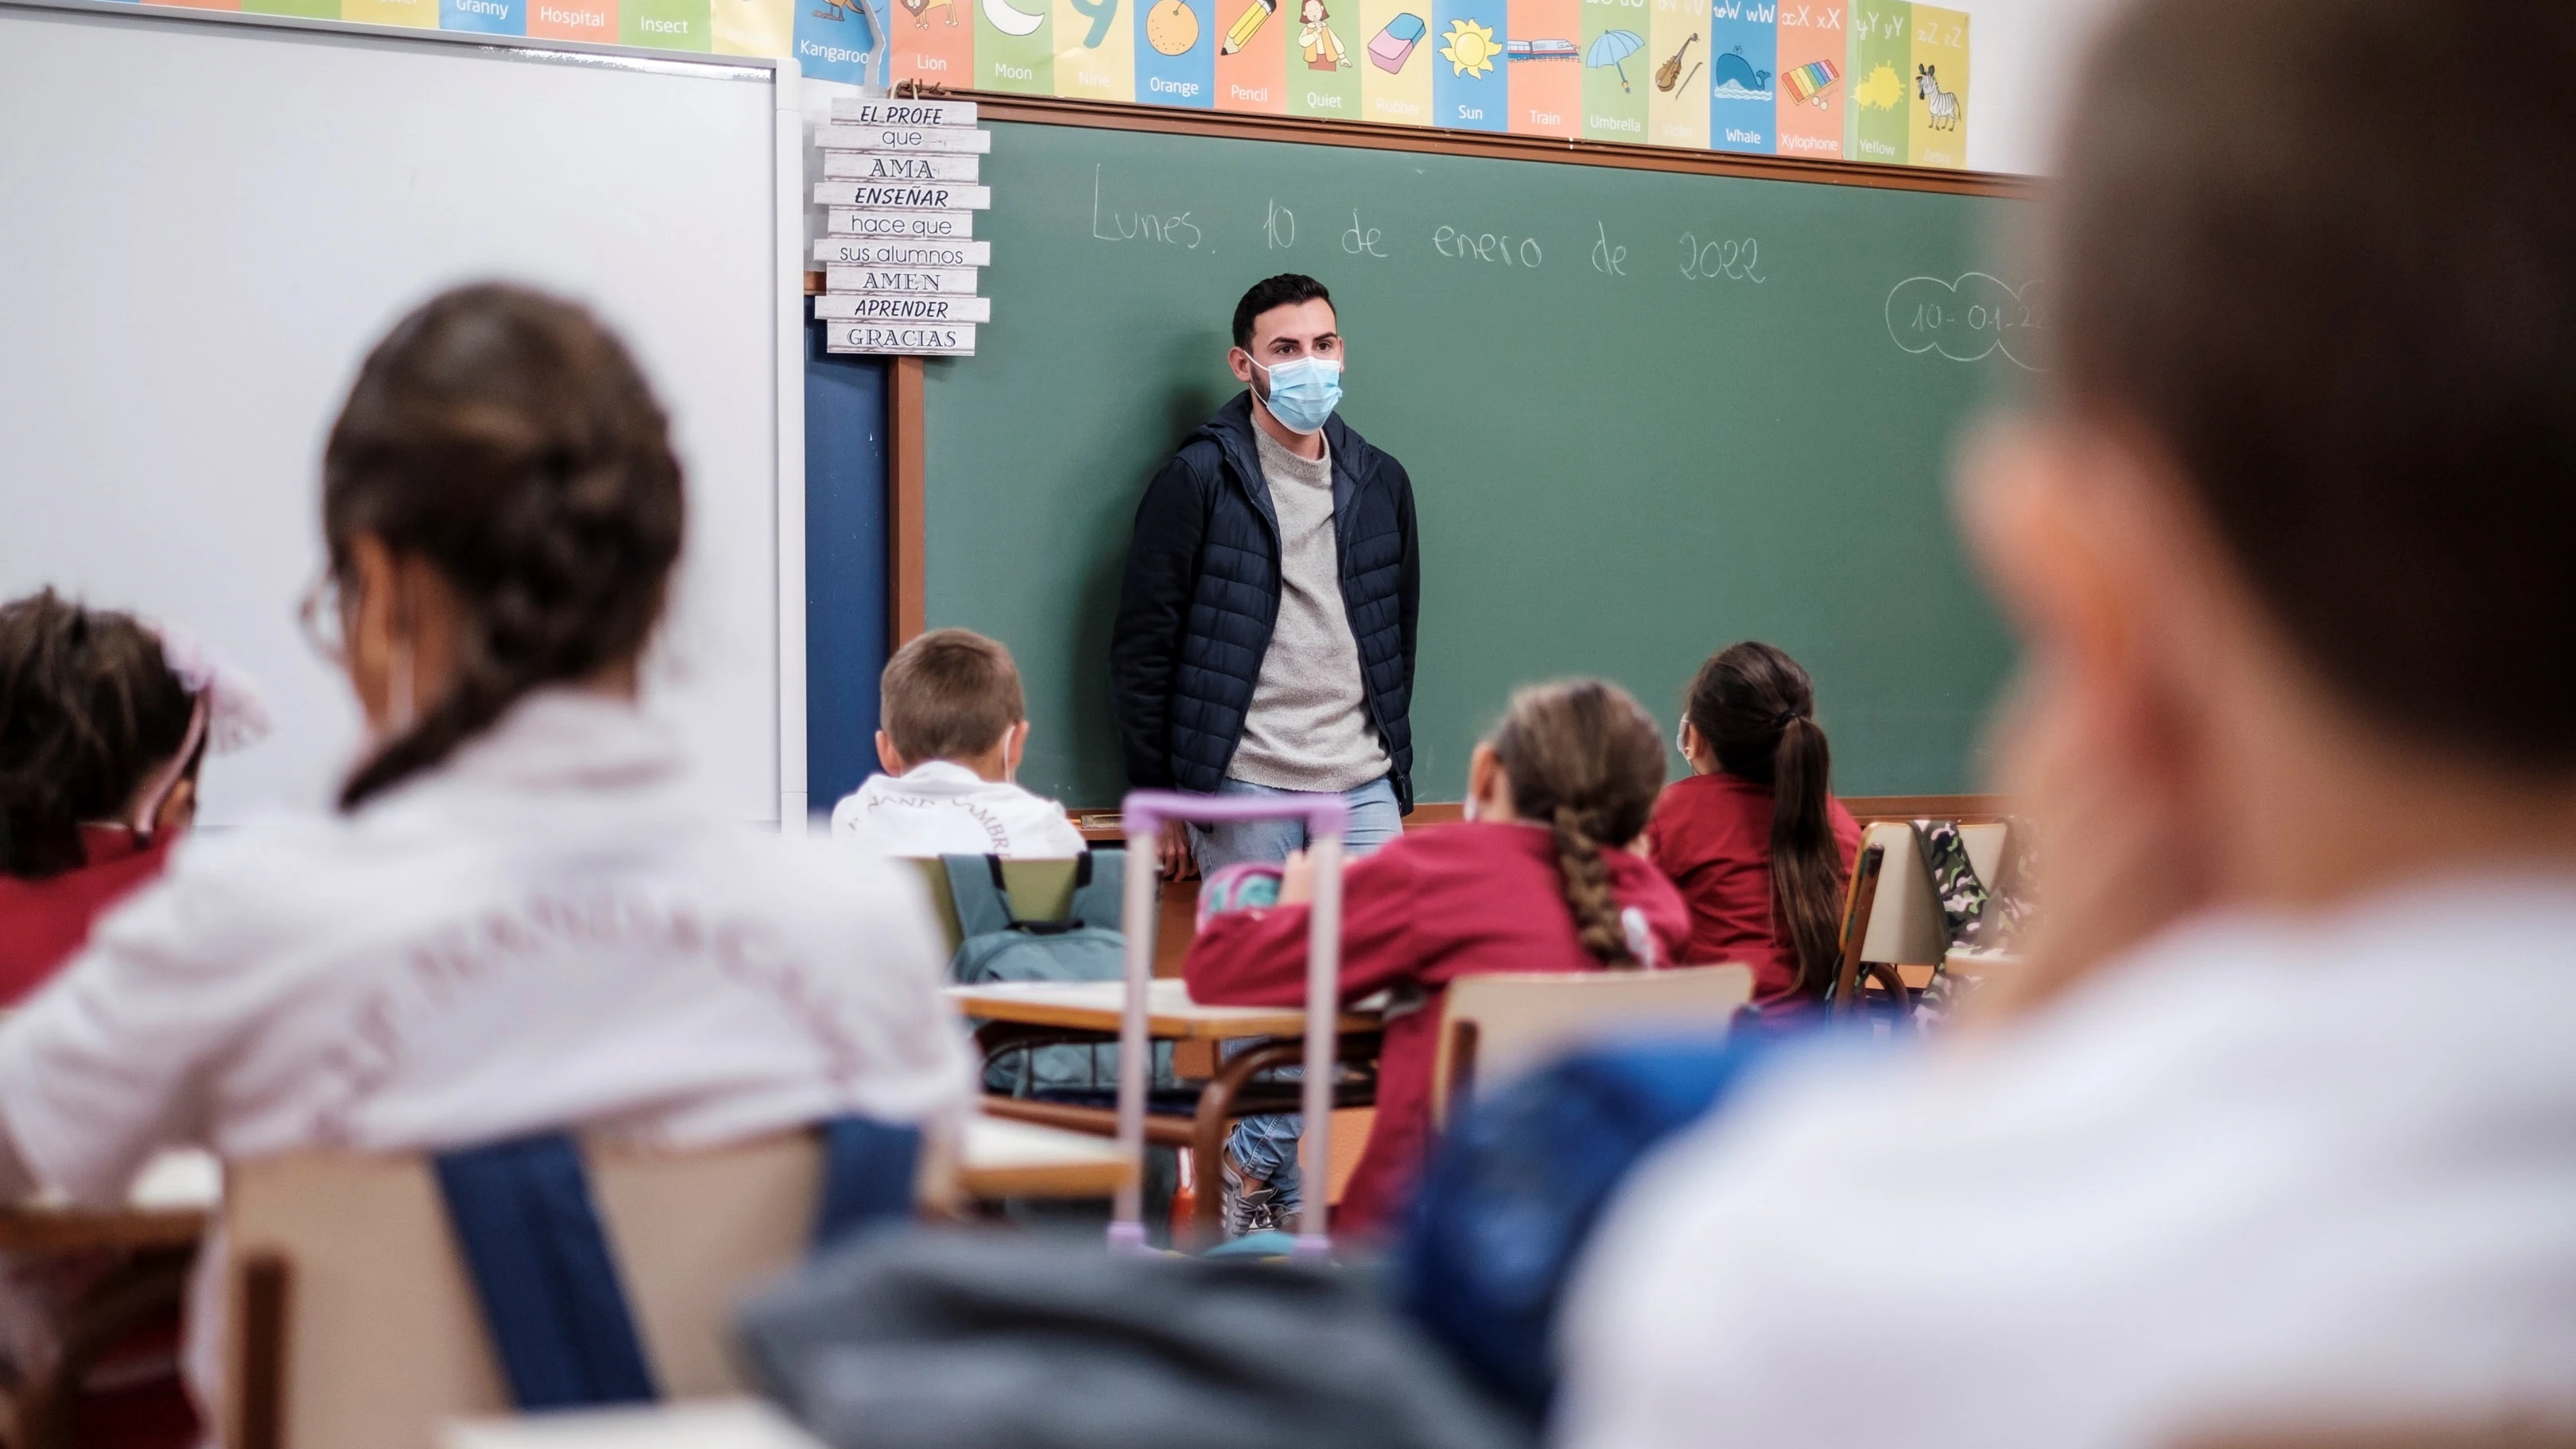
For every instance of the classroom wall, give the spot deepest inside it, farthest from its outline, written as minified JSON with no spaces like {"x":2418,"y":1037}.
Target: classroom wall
{"x":2025,"y":53}
{"x":845,"y":569}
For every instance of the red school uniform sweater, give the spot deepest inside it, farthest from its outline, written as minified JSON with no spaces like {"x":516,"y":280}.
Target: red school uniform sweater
{"x":1434,"y":905}
{"x":44,"y":923}
{"x":1712,"y":835}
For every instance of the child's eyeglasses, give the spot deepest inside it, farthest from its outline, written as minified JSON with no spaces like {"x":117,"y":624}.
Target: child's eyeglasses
{"x":322,"y":618}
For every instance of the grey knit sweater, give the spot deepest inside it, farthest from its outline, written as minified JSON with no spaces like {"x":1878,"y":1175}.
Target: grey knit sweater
{"x":1309,"y":728}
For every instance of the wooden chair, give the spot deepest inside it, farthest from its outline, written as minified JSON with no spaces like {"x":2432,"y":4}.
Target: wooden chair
{"x":355,"y":1326}
{"x":1891,"y":917}
{"x":2538,"y":1429}
{"x":1041,"y":890}
{"x":1495,"y":1026}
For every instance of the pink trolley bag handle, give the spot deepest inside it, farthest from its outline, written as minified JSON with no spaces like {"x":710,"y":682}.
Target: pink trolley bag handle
{"x":1326,"y":819}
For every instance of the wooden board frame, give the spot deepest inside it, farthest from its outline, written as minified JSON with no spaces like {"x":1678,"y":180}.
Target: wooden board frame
{"x":907,"y":535}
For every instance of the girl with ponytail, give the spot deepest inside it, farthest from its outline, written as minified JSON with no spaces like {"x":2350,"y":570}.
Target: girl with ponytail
{"x":1539,"y":879}
{"x":523,"y":913}
{"x":1759,"y":847}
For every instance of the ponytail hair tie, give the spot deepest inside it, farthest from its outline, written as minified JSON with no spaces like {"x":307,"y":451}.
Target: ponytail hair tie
{"x":1786,"y":718}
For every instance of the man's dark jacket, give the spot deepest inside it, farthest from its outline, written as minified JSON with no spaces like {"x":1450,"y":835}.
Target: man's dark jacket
{"x":1202,"y":593}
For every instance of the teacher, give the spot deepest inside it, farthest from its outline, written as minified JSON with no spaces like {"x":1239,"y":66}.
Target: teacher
{"x":1266,"y":627}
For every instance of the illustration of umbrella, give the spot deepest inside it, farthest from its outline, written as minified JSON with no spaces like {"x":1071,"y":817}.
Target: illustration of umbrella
{"x":1613,"y":47}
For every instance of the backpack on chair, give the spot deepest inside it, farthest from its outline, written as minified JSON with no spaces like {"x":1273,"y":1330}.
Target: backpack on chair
{"x":1085,"y":945}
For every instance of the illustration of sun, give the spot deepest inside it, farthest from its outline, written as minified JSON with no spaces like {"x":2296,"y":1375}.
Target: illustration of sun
{"x":1469,"y":48}
{"x":1882,"y":91}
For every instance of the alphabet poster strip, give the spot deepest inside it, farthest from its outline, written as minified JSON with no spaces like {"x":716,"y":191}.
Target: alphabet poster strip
{"x":1743,"y":66}
{"x":1677,"y":108}
{"x":1882,"y":81}
{"x":1937,"y":108}
{"x":1815,"y":61}
{"x":1396,"y":56}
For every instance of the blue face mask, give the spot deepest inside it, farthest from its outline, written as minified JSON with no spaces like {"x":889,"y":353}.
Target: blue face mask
{"x":1303,"y":393}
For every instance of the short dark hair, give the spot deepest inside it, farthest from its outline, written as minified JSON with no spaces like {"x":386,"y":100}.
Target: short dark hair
{"x":2351,"y":325}
{"x":88,"y":708}
{"x":1285,"y":290}
{"x":949,"y":694}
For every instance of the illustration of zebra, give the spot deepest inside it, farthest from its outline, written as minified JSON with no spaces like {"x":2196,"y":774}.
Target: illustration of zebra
{"x":1945,"y":106}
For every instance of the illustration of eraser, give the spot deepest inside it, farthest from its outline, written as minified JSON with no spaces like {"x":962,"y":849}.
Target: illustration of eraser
{"x":1394,"y":45}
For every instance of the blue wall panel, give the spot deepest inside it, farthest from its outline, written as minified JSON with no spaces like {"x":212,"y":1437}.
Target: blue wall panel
{"x":845,"y":568}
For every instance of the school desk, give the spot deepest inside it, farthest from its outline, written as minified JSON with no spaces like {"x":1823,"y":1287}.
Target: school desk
{"x":1027,"y":1013}
{"x":713,"y":1424}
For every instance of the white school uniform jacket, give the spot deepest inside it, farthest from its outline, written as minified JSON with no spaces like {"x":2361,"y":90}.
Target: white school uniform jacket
{"x":555,"y":928}
{"x":2263,"y":1172}
{"x":939,"y":808}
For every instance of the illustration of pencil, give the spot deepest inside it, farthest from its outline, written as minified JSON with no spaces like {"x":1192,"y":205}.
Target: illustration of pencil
{"x":1247,"y":24}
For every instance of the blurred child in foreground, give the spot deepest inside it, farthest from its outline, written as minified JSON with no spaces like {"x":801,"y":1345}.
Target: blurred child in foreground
{"x":2281,"y":1127}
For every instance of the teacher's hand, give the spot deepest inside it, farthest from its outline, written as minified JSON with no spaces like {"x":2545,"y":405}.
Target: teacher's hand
{"x":1174,"y":850}
{"x":1297,"y":880}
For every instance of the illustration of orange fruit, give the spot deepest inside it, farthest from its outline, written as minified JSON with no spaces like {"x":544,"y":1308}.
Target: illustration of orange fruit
{"x":1171,"y":26}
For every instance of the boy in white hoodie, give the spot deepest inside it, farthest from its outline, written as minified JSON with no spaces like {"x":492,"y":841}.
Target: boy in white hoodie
{"x":955,"y":728}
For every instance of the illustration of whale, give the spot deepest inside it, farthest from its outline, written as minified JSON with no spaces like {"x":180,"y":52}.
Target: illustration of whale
{"x":1733,"y":75}
{"x":1009,"y":20}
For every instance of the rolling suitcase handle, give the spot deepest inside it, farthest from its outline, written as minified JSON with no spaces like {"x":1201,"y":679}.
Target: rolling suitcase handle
{"x":1326,"y":817}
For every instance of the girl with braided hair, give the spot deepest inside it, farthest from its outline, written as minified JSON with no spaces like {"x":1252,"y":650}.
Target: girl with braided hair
{"x":524,"y":914}
{"x":1539,"y":879}
{"x":1759,"y":847}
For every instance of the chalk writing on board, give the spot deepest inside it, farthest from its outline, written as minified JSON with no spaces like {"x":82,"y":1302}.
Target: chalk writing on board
{"x":1117,"y":226}
{"x":1449,"y":241}
{"x":1727,"y":259}
{"x":1279,"y":228}
{"x":1969,"y":318}
{"x":1361,"y":241}
{"x":1607,"y":258}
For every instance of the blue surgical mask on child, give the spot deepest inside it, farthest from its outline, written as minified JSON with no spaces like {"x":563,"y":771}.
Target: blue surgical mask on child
{"x":1304,"y":392}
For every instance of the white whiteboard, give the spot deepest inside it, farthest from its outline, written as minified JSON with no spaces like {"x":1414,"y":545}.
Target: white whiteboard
{"x":205,"y":221}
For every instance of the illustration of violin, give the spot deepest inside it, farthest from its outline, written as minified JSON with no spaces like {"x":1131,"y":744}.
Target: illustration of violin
{"x":1669,"y":74}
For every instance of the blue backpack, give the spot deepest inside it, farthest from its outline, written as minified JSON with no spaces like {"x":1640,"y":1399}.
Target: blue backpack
{"x":1086,"y":945}
{"x":1520,"y":1179}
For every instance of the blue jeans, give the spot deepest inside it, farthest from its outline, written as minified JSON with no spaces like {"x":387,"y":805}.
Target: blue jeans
{"x":1267,"y":1145}
{"x":1375,"y":820}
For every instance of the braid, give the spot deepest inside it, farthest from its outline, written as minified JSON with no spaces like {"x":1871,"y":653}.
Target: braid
{"x":508,"y":439}
{"x":475,"y":700}
{"x":1583,"y":758}
{"x":1587,"y":891}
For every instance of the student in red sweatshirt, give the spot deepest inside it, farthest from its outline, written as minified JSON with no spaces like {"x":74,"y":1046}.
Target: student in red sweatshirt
{"x":1538,"y":880}
{"x":1758,"y":847}
{"x":100,"y":738}
{"x":103,"y":723}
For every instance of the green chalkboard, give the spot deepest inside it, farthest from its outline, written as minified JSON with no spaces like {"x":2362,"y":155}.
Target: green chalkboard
{"x":1622,"y":459}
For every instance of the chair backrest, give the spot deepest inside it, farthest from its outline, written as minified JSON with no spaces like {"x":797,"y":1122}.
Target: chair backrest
{"x":1891,"y":917}
{"x":1906,"y":926}
{"x":355,"y":1325}
{"x":1495,"y":1026}
{"x":1041,"y":890}
{"x":1985,"y":841}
